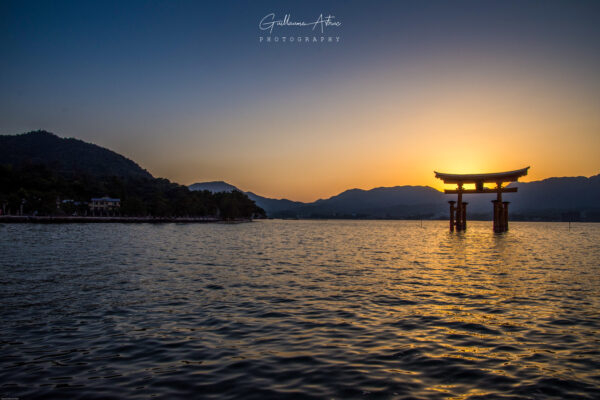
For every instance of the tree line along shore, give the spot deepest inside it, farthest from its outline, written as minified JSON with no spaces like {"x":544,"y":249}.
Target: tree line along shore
{"x":36,"y":191}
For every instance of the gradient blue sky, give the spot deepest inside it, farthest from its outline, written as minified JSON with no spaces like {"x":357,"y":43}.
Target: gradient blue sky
{"x":185,"y":88}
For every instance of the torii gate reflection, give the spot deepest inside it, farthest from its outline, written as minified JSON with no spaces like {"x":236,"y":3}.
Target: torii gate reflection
{"x":458,"y":212}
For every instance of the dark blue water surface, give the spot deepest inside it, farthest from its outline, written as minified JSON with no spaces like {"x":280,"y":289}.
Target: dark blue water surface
{"x":300,"y":309}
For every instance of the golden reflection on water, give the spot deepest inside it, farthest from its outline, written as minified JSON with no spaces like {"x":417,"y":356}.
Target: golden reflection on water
{"x":469,"y":280}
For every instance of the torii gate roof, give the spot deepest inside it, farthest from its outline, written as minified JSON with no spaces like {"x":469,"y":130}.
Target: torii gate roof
{"x":509,"y":176}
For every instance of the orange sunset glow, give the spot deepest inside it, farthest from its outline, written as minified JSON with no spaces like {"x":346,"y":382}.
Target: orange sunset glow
{"x":389,"y":129}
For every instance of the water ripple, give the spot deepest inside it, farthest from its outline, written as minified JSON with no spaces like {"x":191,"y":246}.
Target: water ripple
{"x":300,"y":309}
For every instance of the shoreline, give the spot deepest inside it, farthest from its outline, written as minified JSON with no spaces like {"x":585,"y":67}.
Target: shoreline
{"x":23,"y":219}
{"x":30,"y":219}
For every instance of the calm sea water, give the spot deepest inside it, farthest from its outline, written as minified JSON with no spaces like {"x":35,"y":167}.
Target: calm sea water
{"x":300,"y":309}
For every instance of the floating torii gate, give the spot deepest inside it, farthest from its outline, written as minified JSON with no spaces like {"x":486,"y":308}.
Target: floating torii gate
{"x":458,"y":212}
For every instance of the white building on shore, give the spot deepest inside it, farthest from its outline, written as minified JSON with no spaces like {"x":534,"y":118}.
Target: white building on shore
{"x":105,"y":206}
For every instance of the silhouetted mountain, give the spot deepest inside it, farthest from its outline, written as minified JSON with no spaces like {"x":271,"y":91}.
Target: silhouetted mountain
{"x":67,"y":156}
{"x":271,"y":206}
{"x":553,"y":199}
{"x":556,"y":193}
{"x":274,"y":205}
{"x":358,"y":200}
{"x":563,"y":199}
{"x":42,"y":174}
{"x":383,"y":202}
{"x":213,"y":187}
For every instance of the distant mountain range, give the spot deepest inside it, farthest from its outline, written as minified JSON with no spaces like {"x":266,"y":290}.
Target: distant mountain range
{"x":277,"y":207}
{"x":552,"y":199}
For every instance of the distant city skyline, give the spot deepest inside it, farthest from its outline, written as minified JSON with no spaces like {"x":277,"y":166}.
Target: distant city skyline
{"x":192,"y":93}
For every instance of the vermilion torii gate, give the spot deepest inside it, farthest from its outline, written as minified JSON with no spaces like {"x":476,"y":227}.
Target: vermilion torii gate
{"x":458,"y":212}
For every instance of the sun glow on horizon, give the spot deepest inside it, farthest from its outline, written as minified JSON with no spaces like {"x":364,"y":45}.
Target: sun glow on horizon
{"x":396,"y":126}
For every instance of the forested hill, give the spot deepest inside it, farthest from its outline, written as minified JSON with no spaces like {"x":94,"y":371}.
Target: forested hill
{"x":43,"y":174}
{"x":66,"y":156}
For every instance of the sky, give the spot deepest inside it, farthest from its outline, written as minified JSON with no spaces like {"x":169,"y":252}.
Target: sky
{"x":189,"y":91}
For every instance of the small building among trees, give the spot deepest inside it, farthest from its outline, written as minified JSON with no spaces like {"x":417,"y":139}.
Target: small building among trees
{"x":105,"y":206}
